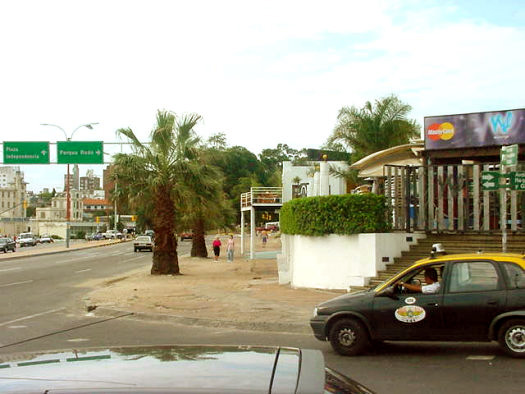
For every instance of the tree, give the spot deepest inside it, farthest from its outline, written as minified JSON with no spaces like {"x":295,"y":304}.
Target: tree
{"x":236,"y":163}
{"x":30,"y":211}
{"x":205,"y":207}
{"x":158,"y":175}
{"x":272,"y":161}
{"x":374,"y":127}
{"x":217,"y":141}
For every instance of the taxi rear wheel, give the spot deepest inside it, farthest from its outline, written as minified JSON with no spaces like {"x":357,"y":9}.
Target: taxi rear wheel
{"x":348,"y":337}
{"x":511,"y":337}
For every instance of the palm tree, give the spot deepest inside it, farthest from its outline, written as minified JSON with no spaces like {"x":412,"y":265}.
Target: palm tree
{"x":206,"y":207}
{"x":158,"y":175}
{"x":374,"y":127}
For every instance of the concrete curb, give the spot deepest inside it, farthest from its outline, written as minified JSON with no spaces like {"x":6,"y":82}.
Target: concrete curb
{"x":290,"y":328}
{"x":16,"y":256}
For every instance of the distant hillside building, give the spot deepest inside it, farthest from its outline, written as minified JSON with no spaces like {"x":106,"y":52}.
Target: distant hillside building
{"x":74,"y":179}
{"x":12,"y":192}
{"x":90,"y":181}
{"x":108,"y":182}
{"x":57,"y":211}
{"x":7,"y":175}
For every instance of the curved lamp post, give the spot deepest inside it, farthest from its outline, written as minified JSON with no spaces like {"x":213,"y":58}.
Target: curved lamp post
{"x":68,"y":195}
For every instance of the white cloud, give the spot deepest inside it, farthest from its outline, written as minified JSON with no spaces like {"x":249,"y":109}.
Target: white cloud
{"x":262,"y":72}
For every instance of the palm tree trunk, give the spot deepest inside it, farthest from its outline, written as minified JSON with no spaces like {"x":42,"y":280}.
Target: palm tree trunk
{"x":198,"y":243}
{"x":165,"y":261}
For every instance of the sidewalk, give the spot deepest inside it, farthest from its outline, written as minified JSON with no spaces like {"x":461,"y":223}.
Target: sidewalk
{"x":54,"y":248}
{"x":244,"y":294}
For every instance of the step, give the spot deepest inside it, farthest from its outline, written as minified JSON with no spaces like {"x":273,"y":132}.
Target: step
{"x":453,"y":244}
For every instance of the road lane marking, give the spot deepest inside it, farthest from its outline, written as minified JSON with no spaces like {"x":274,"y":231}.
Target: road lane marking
{"x":31,"y":316}
{"x":78,"y":340}
{"x":17,"y":327}
{"x":87,"y":269}
{"x":10,"y":269}
{"x":481,"y":358}
{"x":16,"y":283}
{"x":131,"y":259}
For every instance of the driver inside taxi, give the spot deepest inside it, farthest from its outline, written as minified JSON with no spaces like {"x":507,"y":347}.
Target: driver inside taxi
{"x":431,"y":279}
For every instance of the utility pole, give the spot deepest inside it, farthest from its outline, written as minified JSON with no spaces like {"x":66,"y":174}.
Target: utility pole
{"x":116,"y":198}
{"x":68,"y":194}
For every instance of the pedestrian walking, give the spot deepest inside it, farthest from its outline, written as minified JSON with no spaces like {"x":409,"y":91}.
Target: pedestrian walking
{"x":229,"y":248}
{"x":264,"y":238}
{"x":217,"y":248}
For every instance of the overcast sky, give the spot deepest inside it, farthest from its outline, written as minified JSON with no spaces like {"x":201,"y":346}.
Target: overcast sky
{"x":262,"y":72}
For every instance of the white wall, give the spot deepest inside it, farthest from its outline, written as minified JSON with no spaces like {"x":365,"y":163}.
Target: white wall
{"x":51,"y":228}
{"x":337,"y":185}
{"x":338,"y":261}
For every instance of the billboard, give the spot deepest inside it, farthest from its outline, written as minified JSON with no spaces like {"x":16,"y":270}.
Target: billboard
{"x":475,"y":130}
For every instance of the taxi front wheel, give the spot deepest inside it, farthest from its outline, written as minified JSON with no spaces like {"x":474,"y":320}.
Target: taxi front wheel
{"x":349,"y":337}
{"x":511,"y":337}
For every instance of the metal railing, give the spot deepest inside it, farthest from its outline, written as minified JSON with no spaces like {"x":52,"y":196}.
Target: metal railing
{"x":262,"y":196}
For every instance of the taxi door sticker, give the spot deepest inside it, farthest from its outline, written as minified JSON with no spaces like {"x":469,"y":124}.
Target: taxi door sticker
{"x":410,"y":314}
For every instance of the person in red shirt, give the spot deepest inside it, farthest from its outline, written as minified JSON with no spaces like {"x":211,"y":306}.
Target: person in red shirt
{"x":217,"y":248}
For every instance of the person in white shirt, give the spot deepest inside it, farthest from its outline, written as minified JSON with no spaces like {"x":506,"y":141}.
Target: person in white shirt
{"x":432,"y":285}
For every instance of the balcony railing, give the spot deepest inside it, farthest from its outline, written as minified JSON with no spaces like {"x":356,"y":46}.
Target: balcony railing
{"x":262,"y":196}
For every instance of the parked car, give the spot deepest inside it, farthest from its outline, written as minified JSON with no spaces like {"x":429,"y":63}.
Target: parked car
{"x":186,"y":235}
{"x":112,"y":234}
{"x":46,"y":239}
{"x":26,"y":239}
{"x":94,"y":236}
{"x":269,"y":227}
{"x":143,"y":242}
{"x":174,"y":369}
{"x":7,"y":244}
{"x":479,"y":297}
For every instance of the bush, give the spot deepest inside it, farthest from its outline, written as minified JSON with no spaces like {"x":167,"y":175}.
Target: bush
{"x":56,"y":236}
{"x":345,"y":214}
{"x":81,"y":235}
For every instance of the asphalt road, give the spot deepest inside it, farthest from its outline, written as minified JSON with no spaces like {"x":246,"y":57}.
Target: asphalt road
{"x":42,"y":309}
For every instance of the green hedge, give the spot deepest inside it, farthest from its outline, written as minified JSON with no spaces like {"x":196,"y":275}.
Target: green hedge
{"x":345,"y":214}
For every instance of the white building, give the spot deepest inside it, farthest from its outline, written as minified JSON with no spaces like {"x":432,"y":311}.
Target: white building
{"x":7,"y":175}
{"x":58,"y":212}
{"x":12,"y":192}
{"x":313,"y":180}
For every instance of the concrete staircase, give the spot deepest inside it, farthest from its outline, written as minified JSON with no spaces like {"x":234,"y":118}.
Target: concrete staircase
{"x":453,"y":243}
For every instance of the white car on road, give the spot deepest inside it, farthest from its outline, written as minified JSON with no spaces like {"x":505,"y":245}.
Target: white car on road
{"x":112,"y":234}
{"x":26,"y":239}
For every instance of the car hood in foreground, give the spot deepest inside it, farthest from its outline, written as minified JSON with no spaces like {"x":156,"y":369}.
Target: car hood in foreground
{"x":165,"y":368}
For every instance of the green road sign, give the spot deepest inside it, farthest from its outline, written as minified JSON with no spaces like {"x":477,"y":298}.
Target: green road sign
{"x":517,"y":180}
{"x":26,"y":152}
{"x":509,"y":155}
{"x":80,"y":152}
{"x":490,"y":180}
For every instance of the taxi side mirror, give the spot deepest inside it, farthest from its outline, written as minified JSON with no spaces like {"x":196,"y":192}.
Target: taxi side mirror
{"x":388,"y":292}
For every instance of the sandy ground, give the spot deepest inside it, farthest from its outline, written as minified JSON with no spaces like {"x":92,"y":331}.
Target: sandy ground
{"x":242,"y":291}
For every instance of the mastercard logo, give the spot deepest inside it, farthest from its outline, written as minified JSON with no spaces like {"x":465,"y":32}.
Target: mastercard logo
{"x":441,"y":131}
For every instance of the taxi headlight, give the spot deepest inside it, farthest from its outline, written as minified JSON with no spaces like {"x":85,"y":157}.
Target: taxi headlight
{"x":315,"y":312}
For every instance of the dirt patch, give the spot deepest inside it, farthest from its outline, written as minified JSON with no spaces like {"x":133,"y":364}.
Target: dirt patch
{"x":242,"y":291}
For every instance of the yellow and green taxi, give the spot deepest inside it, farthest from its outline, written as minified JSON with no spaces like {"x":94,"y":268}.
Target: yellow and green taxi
{"x":474,"y":297}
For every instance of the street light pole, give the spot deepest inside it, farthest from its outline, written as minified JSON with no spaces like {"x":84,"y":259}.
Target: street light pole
{"x":68,"y":194}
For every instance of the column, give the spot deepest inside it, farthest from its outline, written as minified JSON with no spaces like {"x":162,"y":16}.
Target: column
{"x":252,"y":232}
{"x":242,"y":233}
{"x":324,"y":188}
{"x":316,"y":184}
